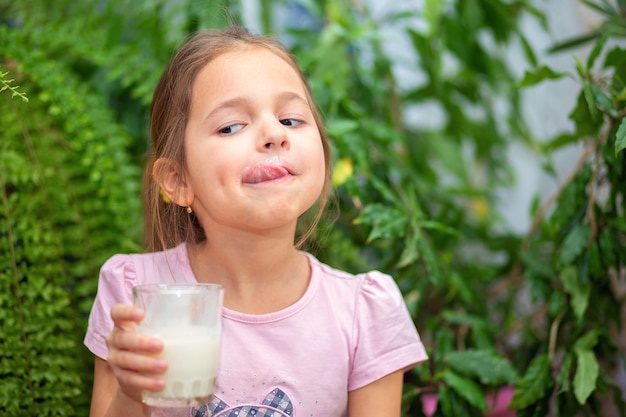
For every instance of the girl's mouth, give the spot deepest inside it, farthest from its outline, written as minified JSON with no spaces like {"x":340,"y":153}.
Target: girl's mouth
{"x":263,"y":173}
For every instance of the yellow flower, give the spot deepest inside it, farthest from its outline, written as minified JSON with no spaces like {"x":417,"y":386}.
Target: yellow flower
{"x":342,"y":171}
{"x":480,"y":208}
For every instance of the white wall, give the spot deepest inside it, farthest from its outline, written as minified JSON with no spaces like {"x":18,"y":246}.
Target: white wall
{"x":546,"y":108}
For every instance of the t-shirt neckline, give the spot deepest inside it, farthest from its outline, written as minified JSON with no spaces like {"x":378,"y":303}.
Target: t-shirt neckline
{"x":282,"y":314}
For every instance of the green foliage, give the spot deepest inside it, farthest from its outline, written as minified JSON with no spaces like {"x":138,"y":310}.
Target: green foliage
{"x":534,"y":385}
{"x":69,"y":199}
{"x":540,"y":312}
{"x":6,"y":85}
{"x":487,"y":366}
{"x":466,"y":389}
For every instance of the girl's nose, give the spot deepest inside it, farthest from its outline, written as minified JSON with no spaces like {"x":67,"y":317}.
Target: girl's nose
{"x":274,"y":135}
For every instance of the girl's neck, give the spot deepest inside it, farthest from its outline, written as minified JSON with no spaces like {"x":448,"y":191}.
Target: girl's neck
{"x":264,"y":277}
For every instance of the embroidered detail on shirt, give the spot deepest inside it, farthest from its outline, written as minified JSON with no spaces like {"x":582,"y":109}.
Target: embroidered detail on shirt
{"x":276,"y":404}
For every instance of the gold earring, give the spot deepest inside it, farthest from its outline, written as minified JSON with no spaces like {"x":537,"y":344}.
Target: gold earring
{"x":189,"y":210}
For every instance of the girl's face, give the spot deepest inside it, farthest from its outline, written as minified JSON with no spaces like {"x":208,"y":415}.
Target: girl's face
{"x":255,"y":160}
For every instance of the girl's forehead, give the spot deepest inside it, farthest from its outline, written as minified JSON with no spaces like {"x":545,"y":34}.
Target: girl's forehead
{"x":248,"y":62}
{"x":243,"y":77}
{"x":252,"y":54}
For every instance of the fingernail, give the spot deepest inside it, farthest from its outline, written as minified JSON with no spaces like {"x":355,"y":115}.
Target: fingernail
{"x":137,"y":314}
{"x":161,"y":364}
{"x":156,"y":344}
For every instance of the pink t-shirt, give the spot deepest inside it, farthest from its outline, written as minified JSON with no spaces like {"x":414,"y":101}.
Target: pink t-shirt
{"x":345,"y":332}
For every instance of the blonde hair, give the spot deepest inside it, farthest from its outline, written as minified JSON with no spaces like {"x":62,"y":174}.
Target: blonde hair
{"x":167,"y":224}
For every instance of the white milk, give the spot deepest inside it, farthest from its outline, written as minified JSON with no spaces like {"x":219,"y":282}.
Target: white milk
{"x":192,"y":354}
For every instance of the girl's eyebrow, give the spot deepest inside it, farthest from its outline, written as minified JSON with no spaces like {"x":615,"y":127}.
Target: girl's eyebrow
{"x":235,"y":102}
{"x":292,"y":96}
{"x":226,"y":104}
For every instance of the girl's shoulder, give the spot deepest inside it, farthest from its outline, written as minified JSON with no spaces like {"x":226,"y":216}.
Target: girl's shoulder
{"x":143,"y":268}
{"x":368,"y":286}
{"x":371,"y":309}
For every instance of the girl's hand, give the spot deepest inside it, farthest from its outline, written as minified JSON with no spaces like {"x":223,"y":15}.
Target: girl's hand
{"x":132,"y":356}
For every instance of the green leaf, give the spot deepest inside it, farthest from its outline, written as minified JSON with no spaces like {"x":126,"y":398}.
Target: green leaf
{"x":430,"y":258}
{"x":432,"y":14}
{"x":454,"y":317}
{"x":6,"y":85}
{"x":386,"y":221}
{"x":563,"y":379}
{"x":339,"y":127}
{"x":574,"y":42}
{"x":603,"y":101}
{"x":529,"y":53}
{"x":588,"y":340}
{"x":450,"y":404}
{"x":410,"y":252}
{"x":534,"y":263}
{"x":534,"y":384}
{"x":575,"y":243}
{"x":590,"y":99}
{"x":578,"y":291}
{"x":584,"y":121}
{"x":596,"y":51}
{"x":445,"y":402}
{"x":614,"y":27}
{"x":540,"y":408}
{"x":607,"y":10}
{"x":620,"y":137}
{"x":587,"y":371}
{"x":540,"y":74}
{"x":385,"y":190}
{"x":467,"y":389}
{"x":621,"y":96}
{"x":440,"y":227}
{"x":616,"y":59}
{"x":444,"y":342}
{"x":559,"y":141}
{"x":486,"y":365}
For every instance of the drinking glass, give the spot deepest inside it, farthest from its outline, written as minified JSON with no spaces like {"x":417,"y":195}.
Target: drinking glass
{"x":188,"y":319}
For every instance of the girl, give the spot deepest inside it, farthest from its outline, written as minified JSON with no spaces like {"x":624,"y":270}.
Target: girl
{"x":239,"y":155}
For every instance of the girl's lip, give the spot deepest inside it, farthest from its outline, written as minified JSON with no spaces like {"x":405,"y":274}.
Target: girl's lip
{"x":264,"y":172}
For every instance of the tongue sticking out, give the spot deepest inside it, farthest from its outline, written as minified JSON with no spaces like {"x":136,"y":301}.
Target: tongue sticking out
{"x":262,"y":173}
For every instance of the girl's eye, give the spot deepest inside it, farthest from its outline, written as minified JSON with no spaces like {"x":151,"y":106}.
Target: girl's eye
{"x":230,"y":129}
{"x":291,"y":122}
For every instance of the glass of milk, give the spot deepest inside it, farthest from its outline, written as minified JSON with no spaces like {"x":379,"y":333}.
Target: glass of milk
{"x":188,"y":318}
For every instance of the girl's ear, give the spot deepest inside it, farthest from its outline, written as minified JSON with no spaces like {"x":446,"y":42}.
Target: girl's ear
{"x":168,"y":175}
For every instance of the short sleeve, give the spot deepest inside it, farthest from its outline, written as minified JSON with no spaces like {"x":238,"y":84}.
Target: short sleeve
{"x":115,"y":283}
{"x":385,"y":335}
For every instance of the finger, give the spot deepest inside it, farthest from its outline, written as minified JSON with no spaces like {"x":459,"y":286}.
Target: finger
{"x":121,"y":314}
{"x":134,"y":381}
{"x":129,"y":340}
{"x":136,"y":362}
